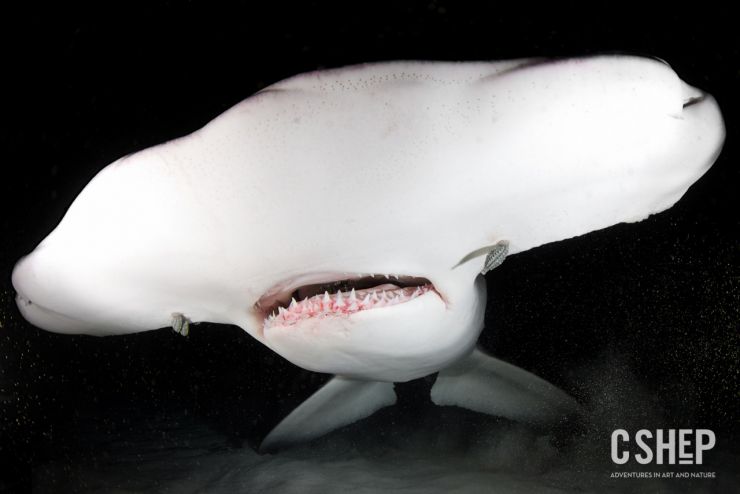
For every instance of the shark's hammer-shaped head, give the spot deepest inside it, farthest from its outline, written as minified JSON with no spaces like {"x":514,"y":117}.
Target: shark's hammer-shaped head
{"x":328,"y":215}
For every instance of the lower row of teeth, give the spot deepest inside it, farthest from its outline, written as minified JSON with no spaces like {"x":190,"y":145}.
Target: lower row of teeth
{"x":343,"y":303}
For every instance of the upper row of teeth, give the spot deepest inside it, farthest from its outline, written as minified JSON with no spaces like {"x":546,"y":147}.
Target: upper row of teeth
{"x":366,"y":275}
{"x":341,"y":300}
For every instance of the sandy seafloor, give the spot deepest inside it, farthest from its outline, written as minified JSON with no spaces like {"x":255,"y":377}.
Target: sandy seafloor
{"x":503,"y":459}
{"x":409,"y":448}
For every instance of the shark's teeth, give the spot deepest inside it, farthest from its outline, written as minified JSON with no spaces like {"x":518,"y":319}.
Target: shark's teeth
{"x":342,"y":303}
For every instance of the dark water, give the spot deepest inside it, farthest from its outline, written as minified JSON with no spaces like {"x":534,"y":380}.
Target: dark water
{"x":639,"y":322}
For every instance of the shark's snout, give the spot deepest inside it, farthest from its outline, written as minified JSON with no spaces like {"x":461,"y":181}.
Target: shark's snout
{"x":36,"y":299}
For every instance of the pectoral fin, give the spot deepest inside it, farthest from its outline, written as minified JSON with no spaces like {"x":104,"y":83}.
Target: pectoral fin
{"x":340,"y":402}
{"x":488,"y":385}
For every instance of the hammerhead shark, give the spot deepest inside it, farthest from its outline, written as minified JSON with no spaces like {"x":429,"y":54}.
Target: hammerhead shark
{"x":345,"y":219}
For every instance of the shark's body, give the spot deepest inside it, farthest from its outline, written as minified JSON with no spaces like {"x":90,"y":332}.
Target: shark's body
{"x":335,"y":180}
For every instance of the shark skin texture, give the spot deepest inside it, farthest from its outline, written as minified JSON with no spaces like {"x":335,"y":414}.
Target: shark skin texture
{"x":343,"y":218}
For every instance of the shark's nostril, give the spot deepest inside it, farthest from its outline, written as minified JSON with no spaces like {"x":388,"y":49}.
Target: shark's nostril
{"x":694,"y":100}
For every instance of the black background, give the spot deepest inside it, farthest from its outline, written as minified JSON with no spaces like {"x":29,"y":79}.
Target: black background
{"x":656,"y":301}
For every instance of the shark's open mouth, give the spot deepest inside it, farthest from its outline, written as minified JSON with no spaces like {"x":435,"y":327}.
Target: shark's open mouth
{"x":290,"y":303}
